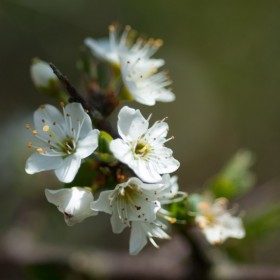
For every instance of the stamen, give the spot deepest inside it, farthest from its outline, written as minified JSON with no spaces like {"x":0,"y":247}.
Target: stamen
{"x":112,"y":28}
{"x":39,"y":150}
{"x":158,"y":43}
{"x":29,"y":145}
{"x":27,"y":126}
{"x":35,"y":132}
{"x":46,"y":128}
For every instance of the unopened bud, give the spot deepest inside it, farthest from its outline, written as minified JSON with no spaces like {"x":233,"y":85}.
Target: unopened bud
{"x":42,"y":74}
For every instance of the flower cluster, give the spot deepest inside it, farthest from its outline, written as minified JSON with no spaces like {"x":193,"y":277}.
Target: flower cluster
{"x":131,"y":178}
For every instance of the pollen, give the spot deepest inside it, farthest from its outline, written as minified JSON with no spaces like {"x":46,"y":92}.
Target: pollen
{"x":46,"y":128}
{"x":112,"y":28}
{"x":158,"y":43}
{"x":203,"y":205}
{"x":128,"y":28}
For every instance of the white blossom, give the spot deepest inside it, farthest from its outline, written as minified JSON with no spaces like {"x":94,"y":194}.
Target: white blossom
{"x":74,"y":203}
{"x":217,"y":223}
{"x":129,"y":201}
{"x":142,"y":148}
{"x":141,"y":232}
{"x":63,"y":140}
{"x":142,"y":81}
{"x":41,"y":73}
{"x":111,"y":49}
{"x":138,"y":69}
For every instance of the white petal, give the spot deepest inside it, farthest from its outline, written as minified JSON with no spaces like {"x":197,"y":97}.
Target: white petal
{"x":163,"y":161}
{"x":165,"y":96}
{"x":232,"y":226}
{"x":78,"y":117}
{"x":158,"y":130}
{"x":138,"y":239}
{"x":48,"y":115}
{"x":37,"y":162}
{"x":88,"y":145}
{"x":103,"y":203}
{"x":214,"y":235}
{"x":74,"y":203}
{"x":121,"y":150}
{"x":68,"y":169}
{"x":146,"y":171}
{"x":145,"y":99}
{"x":117,"y":225}
{"x":41,"y":73}
{"x":131,"y":123}
{"x":141,"y":231}
{"x":102,"y":49}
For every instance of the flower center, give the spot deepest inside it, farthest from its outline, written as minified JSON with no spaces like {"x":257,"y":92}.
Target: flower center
{"x":142,"y":149}
{"x":68,"y":146}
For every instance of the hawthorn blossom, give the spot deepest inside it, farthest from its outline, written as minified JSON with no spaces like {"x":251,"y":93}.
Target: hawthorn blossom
{"x":217,"y":223}
{"x":141,"y":232}
{"x":63,"y":140}
{"x":115,"y":46}
{"x":143,"y":83}
{"x":74,"y":203}
{"x":138,"y":69}
{"x":129,"y":201}
{"x":142,"y":148}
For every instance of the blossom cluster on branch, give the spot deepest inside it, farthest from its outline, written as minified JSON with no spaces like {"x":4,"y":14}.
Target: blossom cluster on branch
{"x":127,"y":170}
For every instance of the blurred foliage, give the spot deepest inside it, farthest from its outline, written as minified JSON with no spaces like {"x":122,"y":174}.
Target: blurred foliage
{"x":236,"y":178}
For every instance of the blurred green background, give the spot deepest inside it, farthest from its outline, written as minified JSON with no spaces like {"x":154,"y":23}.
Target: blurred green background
{"x":223,"y":57}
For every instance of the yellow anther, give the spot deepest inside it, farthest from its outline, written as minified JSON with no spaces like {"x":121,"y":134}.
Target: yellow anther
{"x":43,"y":106}
{"x":46,"y":128}
{"x":203,"y":205}
{"x":158,"y":43}
{"x":112,"y":28}
{"x":39,"y":150}
{"x":61,"y":104}
{"x":29,"y":145}
{"x":35,"y":132}
{"x":27,"y":126}
{"x":128,"y":28}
